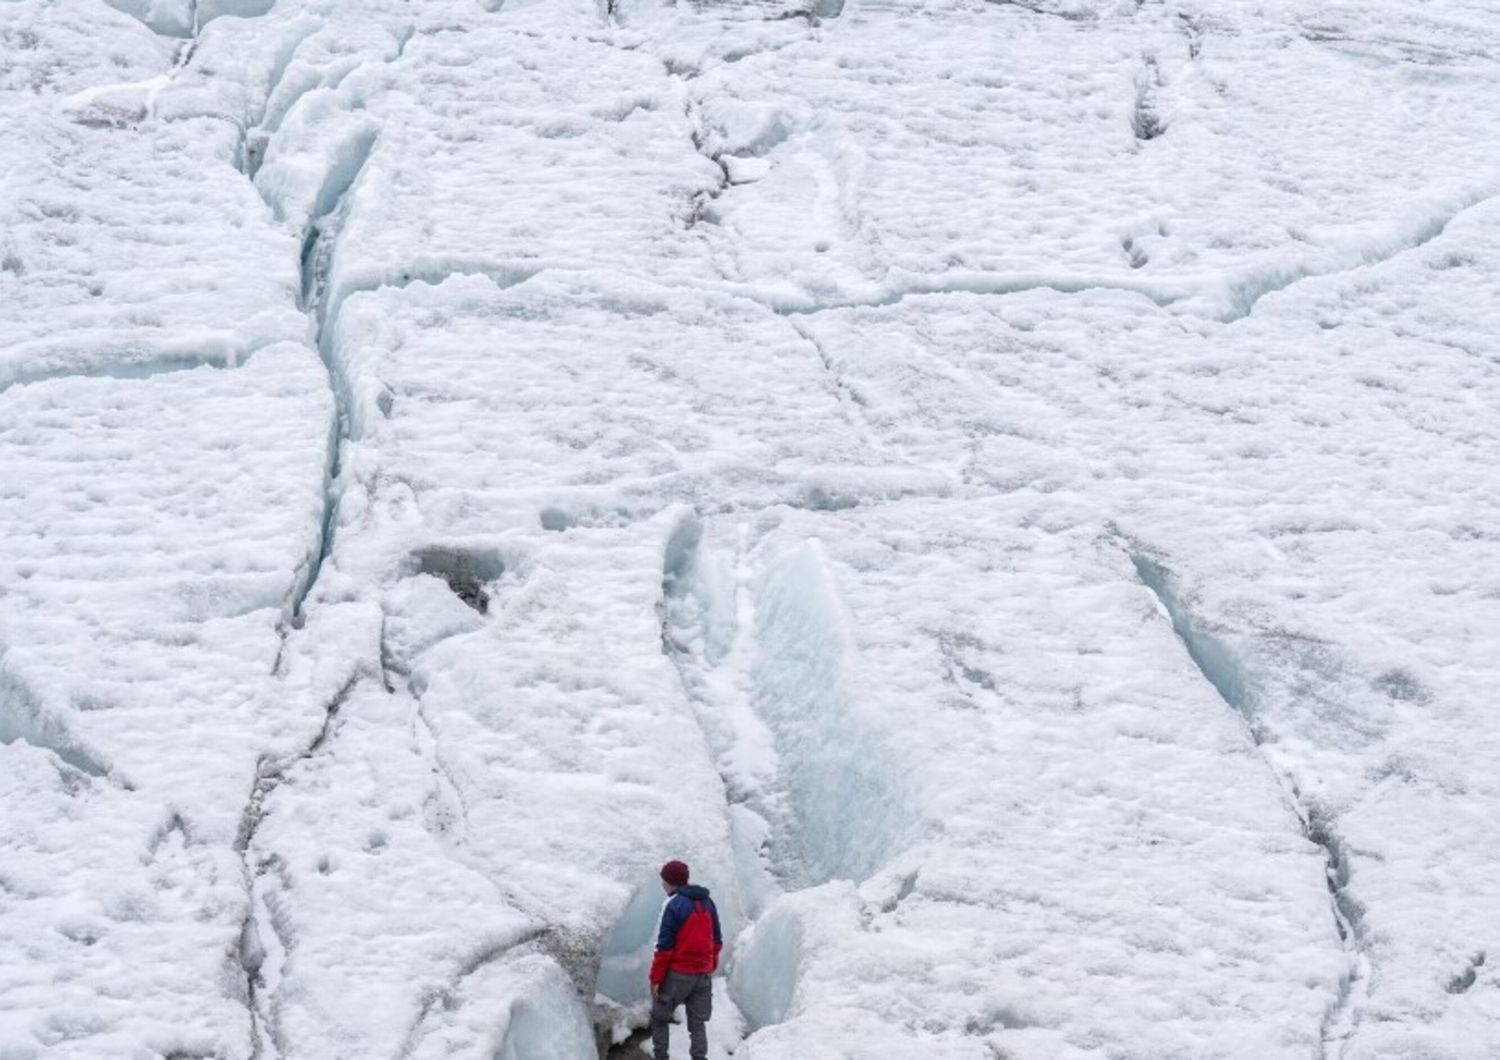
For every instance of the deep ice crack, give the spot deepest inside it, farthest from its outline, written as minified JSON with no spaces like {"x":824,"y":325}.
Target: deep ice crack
{"x":320,"y":245}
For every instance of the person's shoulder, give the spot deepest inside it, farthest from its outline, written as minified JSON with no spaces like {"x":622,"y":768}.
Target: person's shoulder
{"x":688,"y":897}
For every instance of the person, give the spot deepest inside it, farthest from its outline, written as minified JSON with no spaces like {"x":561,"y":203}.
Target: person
{"x":688,"y":942}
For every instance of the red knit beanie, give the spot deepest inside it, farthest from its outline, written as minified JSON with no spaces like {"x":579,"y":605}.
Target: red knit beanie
{"x":675,"y":873}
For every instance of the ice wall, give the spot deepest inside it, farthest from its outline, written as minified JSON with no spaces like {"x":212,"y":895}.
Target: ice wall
{"x":844,"y":794}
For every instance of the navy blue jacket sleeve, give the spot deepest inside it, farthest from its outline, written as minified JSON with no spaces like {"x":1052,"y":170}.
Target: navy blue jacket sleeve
{"x":718,"y":935}
{"x":671,"y":920}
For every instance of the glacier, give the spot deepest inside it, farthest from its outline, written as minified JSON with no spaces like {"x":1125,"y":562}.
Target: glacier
{"x":1006,"y":489}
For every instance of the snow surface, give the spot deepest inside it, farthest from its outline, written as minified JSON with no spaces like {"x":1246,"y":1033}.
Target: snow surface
{"x":1006,"y":490}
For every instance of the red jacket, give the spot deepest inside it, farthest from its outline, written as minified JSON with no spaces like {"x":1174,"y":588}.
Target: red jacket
{"x":689,"y":939}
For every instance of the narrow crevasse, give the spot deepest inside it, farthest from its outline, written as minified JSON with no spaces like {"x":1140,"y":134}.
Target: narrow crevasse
{"x":349,"y":138}
{"x":1424,"y":221}
{"x":319,"y":247}
{"x":1221,"y":667}
{"x":22,"y":718}
{"x":164,"y":364}
{"x":261,"y":951}
{"x":901,"y":285}
{"x":851,"y":401}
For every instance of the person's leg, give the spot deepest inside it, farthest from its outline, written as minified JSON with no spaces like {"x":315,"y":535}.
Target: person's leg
{"x":661,"y":1016}
{"x":700,"y":1009}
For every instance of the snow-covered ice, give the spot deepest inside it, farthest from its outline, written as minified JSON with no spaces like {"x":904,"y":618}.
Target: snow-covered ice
{"x":1006,"y":490}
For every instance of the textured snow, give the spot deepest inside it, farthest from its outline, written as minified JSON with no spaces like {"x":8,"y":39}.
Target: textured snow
{"x":1006,"y":490}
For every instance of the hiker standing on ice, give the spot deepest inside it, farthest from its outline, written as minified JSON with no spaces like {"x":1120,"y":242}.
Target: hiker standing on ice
{"x":688,"y":942}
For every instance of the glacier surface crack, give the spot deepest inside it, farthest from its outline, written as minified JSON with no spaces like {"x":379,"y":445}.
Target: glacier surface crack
{"x":1221,"y":668}
{"x":254,"y":954}
{"x":1420,"y":228}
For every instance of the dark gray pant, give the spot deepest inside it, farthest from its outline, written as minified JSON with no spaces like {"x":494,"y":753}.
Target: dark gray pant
{"x":697,"y":993}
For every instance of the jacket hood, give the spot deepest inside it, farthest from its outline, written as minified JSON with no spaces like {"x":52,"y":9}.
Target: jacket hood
{"x":692,"y":892}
